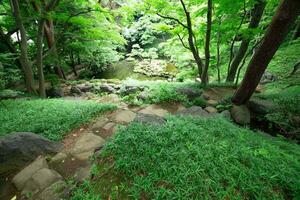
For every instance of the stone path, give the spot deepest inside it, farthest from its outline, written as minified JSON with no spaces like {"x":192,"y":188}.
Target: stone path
{"x":41,"y":177}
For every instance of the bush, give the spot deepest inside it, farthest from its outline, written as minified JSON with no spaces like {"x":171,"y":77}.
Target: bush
{"x":51,"y":118}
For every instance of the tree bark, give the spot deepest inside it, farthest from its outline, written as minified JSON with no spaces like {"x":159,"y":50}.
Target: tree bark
{"x":257,"y":13}
{"x":191,"y":40}
{"x":218,"y":50}
{"x":204,"y":75}
{"x":283,"y":19}
{"x":297,"y":31}
{"x":39,"y":63}
{"x":26,"y":65}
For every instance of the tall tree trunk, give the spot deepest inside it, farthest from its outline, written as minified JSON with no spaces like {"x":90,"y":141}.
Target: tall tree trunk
{"x":218,"y":50}
{"x":26,"y":65}
{"x":39,"y":62}
{"x":257,"y":13}
{"x":204,"y":75}
{"x":73,"y":65}
{"x":283,"y":19}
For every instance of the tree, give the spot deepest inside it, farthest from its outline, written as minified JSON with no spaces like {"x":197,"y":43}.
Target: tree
{"x":24,"y":58}
{"x":256,"y":16}
{"x":204,"y":75}
{"x":283,"y":19}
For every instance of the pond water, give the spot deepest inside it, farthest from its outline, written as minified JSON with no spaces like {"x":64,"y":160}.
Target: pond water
{"x":124,"y":70}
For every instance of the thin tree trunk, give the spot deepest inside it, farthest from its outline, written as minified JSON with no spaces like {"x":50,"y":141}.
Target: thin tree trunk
{"x":218,"y":51}
{"x":297,"y":31}
{"x":191,"y":40}
{"x":26,"y":65}
{"x":283,"y":19}
{"x":257,"y":13}
{"x":204,"y":75}
{"x":39,"y":62}
{"x":73,"y":65}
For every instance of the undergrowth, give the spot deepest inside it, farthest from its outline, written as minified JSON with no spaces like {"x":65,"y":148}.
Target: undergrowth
{"x":51,"y":118}
{"x":195,"y":158}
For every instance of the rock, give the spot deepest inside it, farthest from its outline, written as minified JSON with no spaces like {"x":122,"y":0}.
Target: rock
{"x":85,"y":145}
{"x":194,"y":111}
{"x":109,"y":126}
{"x":212,"y":102}
{"x":143,"y":96}
{"x":9,"y":94}
{"x":83,"y":174}
{"x":42,"y":179}
{"x":259,"y":89}
{"x":267,"y":78}
{"x":131,"y":89}
{"x":189,"y":92}
{"x":55,"y":92}
{"x":59,"y":157}
{"x":107,"y":88}
{"x":226,"y":114}
{"x":23,"y":176}
{"x":154,"y":110}
{"x":149,"y":119}
{"x":205,"y":96}
{"x":75,"y":90}
{"x":19,"y":149}
{"x":125,"y":116}
{"x":210,"y":109}
{"x":240,"y":114}
{"x":57,"y":191}
{"x":85,"y":87}
{"x":111,"y":98}
{"x":99,"y":124}
{"x":261,"y":106}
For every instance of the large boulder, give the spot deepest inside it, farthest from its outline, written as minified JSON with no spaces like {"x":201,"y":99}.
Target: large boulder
{"x":240,"y":114}
{"x":85,"y":87}
{"x":18,"y":149}
{"x":107,"y":88}
{"x":189,"y":92}
{"x":55,"y":92}
{"x":76,"y":90}
{"x":261,"y":106}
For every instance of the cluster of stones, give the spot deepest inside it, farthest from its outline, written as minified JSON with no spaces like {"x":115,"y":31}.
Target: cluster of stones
{"x":153,"y":67}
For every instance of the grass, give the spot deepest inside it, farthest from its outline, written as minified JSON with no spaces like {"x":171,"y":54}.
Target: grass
{"x":51,"y":118}
{"x":195,"y":158}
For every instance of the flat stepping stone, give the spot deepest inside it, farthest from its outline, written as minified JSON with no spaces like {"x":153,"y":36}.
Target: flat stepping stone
{"x":125,"y":116}
{"x":194,"y":111}
{"x":211,"y":109}
{"x":212,"y":102}
{"x":154,"y":110}
{"x":22,"y":177}
{"x":41,"y":180}
{"x":149,"y":119}
{"x":86,"y":145}
{"x":99,"y":123}
{"x":56,"y":191}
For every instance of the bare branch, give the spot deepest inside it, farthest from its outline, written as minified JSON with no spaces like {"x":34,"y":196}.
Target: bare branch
{"x":182,"y":42}
{"x":172,"y":18}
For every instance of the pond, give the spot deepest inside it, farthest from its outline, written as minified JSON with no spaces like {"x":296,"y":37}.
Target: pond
{"x":123,"y":70}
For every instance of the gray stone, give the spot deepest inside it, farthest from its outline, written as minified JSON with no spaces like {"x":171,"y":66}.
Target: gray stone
{"x":194,"y":111}
{"x":99,"y":124}
{"x":267,"y":78}
{"x":154,"y":110}
{"x":211,"y":109}
{"x":143,"y":95}
{"x":55,"y":92}
{"x":19,"y":149}
{"x":125,"y":116}
{"x":22,"y":177}
{"x":85,"y":146}
{"x":109,"y":126}
{"x":83,"y":174}
{"x":149,"y":119}
{"x":75,"y":90}
{"x":261,"y":106}
{"x":130,"y":89}
{"x":57,"y":191}
{"x":240,"y":114}
{"x":59,"y":157}
{"x":107,"y":88}
{"x":189,"y":92}
{"x":85,"y":87}
{"x":43,"y":178}
{"x":226,"y":114}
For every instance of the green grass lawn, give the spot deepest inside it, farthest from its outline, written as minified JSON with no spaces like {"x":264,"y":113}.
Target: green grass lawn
{"x":194,"y":158}
{"x":51,"y":118}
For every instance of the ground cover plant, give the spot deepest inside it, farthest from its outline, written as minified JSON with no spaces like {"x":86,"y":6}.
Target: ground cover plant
{"x":51,"y":118}
{"x":196,"y":158}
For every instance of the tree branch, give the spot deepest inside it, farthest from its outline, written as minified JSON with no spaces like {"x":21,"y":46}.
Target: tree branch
{"x":172,"y":18}
{"x":182,"y":42}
